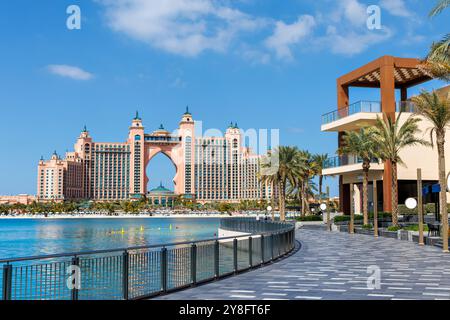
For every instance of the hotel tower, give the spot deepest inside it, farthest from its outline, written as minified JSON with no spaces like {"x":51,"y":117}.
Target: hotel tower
{"x":208,"y":169}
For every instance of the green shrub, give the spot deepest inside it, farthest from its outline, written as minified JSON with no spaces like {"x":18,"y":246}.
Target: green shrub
{"x":381,"y":215}
{"x":402,"y":209}
{"x":347,"y":218}
{"x":393,"y":228}
{"x":367,"y":227}
{"x":309,"y":218}
{"x":415,"y":227}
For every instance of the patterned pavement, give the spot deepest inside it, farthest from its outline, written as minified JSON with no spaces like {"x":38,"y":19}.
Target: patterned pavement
{"x":335,"y":266}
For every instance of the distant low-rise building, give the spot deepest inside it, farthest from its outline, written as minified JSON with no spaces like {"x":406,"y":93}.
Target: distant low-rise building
{"x":18,"y":199}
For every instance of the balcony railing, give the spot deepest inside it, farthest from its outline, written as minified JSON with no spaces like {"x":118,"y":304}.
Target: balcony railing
{"x":340,"y":161}
{"x":151,"y":138}
{"x":406,"y":106}
{"x":360,"y":106}
{"x":145,"y":271}
{"x":365,"y":106}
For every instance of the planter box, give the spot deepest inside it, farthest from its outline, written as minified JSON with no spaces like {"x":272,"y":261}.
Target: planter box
{"x":430,"y":241}
{"x":364,"y":231}
{"x":388,"y":234}
{"x":403,"y":235}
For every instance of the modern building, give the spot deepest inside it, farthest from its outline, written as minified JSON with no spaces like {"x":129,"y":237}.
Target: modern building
{"x":392,"y":77}
{"x":208,"y":169}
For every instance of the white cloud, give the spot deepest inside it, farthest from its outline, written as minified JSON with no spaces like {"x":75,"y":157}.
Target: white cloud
{"x":184,"y":27}
{"x":71,"y":72}
{"x":286,"y":35}
{"x":352,"y":42}
{"x":396,"y":8}
{"x":190,"y":27}
{"x":353,"y":11}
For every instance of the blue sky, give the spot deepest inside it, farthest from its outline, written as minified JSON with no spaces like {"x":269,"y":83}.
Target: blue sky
{"x":264,"y":64}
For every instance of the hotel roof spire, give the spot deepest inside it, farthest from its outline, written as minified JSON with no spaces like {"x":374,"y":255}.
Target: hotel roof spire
{"x":137,"y":116}
{"x":187,"y":110}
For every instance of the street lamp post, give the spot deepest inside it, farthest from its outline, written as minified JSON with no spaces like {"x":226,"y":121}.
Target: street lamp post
{"x":352,"y":210}
{"x":420,"y":205}
{"x":269,"y":209}
{"x":328,"y":209}
{"x":375,"y":209}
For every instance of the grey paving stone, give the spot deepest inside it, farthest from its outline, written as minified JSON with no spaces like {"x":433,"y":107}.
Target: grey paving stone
{"x":335,"y":266}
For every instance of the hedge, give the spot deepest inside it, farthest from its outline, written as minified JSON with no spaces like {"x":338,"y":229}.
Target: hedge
{"x":428,"y":208}
{"x":381,"y":215}
{"x":309,"y":218}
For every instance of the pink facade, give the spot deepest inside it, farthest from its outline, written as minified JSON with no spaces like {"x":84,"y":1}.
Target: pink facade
{"x":19,"y":199}
{"x":207,"y":168}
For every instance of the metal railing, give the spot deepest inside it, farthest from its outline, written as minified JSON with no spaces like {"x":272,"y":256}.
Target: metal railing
{"x":365,"y":106}
{"x":144,"y":271}
{"x":345,"y":160}
{"x":357,"y":107}
{"x":406,"y":106}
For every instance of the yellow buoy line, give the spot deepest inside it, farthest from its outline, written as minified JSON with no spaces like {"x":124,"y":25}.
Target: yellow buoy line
{"x":142,"y":229}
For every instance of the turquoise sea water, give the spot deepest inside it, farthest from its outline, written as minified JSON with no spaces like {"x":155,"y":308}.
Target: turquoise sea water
{"x":29,"y":237}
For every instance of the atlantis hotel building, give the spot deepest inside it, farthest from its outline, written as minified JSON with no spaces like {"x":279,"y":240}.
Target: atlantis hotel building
{"x":208,"y":169}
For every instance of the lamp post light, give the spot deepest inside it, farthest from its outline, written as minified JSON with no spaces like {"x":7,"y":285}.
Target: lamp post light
{"x":269,"y":209}
{"x":420,"y":208}
{"x":375,"y":209}
{"x":352,"y":210}
{"x":326,"y":206}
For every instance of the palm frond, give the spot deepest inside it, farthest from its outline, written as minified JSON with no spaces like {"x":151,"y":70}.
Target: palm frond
{"x":441,"y":6}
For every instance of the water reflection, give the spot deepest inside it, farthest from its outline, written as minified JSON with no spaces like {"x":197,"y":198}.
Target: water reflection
{"x":25,"y":237}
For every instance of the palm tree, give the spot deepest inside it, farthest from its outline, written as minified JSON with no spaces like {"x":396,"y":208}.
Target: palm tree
{"x":436,"y":109}
{"x":320,"y":159}
{"x":437,"y":62}
{"x":307,"y":169}
{"x":267,"y":180}
{"x":280,"y":168}
{"x":361,"y":144}
{"x":392,"y":138}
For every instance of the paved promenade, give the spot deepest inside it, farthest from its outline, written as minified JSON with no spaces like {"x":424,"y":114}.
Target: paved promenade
{"x":334,"y":266}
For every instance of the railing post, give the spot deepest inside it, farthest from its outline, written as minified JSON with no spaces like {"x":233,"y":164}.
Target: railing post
{"x":271,"y":246}
{"x":75,"y":262}
{"x":7,"y":281}
{"x":194,"y":264}
{"x":216,"y":259}
{"x":262,"y":249}
{"x":125,"y":273}
{"x":293,"y":239}
{"x":235,"y":254}
{"x":164,"y":269}
{"x":250,"y":252}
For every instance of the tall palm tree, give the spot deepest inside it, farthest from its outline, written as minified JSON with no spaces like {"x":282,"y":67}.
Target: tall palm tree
{"x":437,"y":62}
{"x":307,"y":168}
{"x":436,"y":109}
{"x":392,"y":138}
{"x":320,"y":159}
{"x":280,"y":167}
{"x":361,"y":144}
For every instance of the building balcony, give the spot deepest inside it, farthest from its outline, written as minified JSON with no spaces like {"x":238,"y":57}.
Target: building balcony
{"x":357,"y":115}
{"x":354,"y":116}
{"x":347,"y":164}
